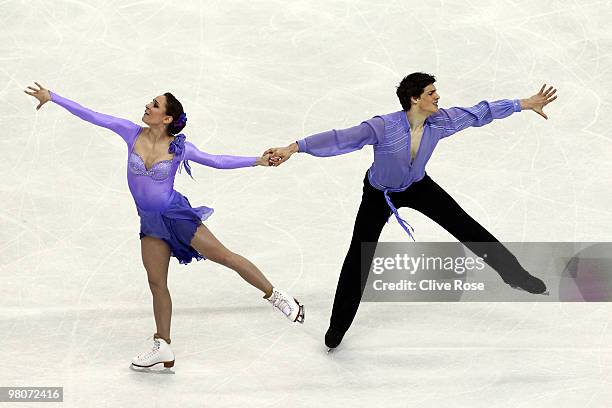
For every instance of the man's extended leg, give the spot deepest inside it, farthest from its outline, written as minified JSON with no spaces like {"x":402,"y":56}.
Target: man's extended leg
{"x":431,"y":200}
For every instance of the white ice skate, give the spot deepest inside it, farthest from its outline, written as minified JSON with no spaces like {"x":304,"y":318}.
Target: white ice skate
{"x":160,"y":353}
{"x":287,"y":305}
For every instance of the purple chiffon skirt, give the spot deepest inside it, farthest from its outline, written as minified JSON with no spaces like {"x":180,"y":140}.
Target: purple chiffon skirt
{"x":176,"y":226}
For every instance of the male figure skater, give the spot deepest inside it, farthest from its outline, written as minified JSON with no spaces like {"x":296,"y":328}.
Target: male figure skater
{"x":403,"y":142}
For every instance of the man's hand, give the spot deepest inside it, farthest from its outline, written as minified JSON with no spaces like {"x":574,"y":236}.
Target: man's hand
{"x":279,"y":155}
{"x":538,"y":101}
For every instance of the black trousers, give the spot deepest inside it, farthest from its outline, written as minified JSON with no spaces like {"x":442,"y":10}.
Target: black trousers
{"x":430,"y":199}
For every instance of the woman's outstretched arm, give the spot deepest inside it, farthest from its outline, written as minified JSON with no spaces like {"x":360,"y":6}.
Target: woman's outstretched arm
{"x":219,"y":161}
{"x":128,"y":130}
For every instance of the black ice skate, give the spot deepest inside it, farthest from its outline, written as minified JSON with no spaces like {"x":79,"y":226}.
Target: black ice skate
{"x":333,"y":338}
{"x":528,"y":283}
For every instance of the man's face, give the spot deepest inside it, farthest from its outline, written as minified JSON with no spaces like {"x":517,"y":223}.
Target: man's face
{"x":428,"y":100}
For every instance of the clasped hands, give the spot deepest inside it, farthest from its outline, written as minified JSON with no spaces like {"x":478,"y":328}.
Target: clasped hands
{"x":275,"y":156}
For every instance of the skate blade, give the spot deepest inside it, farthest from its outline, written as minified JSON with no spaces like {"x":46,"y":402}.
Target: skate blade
{"x":152,"y":370}
{"x":301,"y":314}
{"x":547,"y":293}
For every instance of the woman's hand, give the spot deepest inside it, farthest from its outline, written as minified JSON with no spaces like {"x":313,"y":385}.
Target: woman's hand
{"x":264,"y":160}
{"x":41,"y":94}
{"x":279,"y":155}
{"x":538,"y":101}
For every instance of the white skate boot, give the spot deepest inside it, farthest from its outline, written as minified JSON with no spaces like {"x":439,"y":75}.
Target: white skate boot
{"x":287,"y":305}
{"x":160,"y":353}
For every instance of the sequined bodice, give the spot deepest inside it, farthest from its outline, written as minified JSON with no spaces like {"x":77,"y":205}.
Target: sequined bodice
{"x":152,"y":189}
{"x":159,"y":171}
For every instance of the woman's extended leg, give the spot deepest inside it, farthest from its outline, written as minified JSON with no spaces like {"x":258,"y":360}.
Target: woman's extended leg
{"x":156,"y":257}
{"x":209,"y":246}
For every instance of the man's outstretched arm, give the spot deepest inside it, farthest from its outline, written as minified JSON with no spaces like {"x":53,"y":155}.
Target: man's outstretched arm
{"x":452,"y":120}
{"x":333,"y":142}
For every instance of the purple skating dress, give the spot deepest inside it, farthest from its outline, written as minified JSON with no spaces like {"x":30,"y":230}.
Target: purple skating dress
{"x":164,"y":212}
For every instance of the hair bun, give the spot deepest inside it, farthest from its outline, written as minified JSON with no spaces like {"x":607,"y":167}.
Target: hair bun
{"x":181,"y":120}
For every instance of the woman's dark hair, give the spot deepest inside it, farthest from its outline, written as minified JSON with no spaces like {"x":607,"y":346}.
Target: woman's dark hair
{"x":413,"y":85}
{"x":175,"y":109}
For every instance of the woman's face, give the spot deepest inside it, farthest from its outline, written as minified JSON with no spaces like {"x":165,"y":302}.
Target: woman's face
{"x":155,"y":112}
{"x":428,"y":101}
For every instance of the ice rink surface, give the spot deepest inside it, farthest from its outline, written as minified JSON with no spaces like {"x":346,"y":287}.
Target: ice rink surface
{"x":75,"y":306}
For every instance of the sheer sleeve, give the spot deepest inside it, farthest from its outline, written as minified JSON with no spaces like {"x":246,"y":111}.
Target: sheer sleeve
{"x":452,"y":120}
{"x":217,"y":161}
{"x":126,"y":129}
{"x":341,"y":141}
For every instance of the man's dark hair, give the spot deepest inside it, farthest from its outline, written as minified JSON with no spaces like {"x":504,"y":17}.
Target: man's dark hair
{"x":413,"y":85}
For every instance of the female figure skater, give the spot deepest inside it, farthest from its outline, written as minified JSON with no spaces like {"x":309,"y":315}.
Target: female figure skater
{"x":169,"y":226}
{"x":403,"y":142}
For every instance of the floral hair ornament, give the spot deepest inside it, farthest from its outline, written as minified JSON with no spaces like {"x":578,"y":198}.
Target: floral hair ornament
{"x":177,"y":146}
{"x":181,"y":120}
